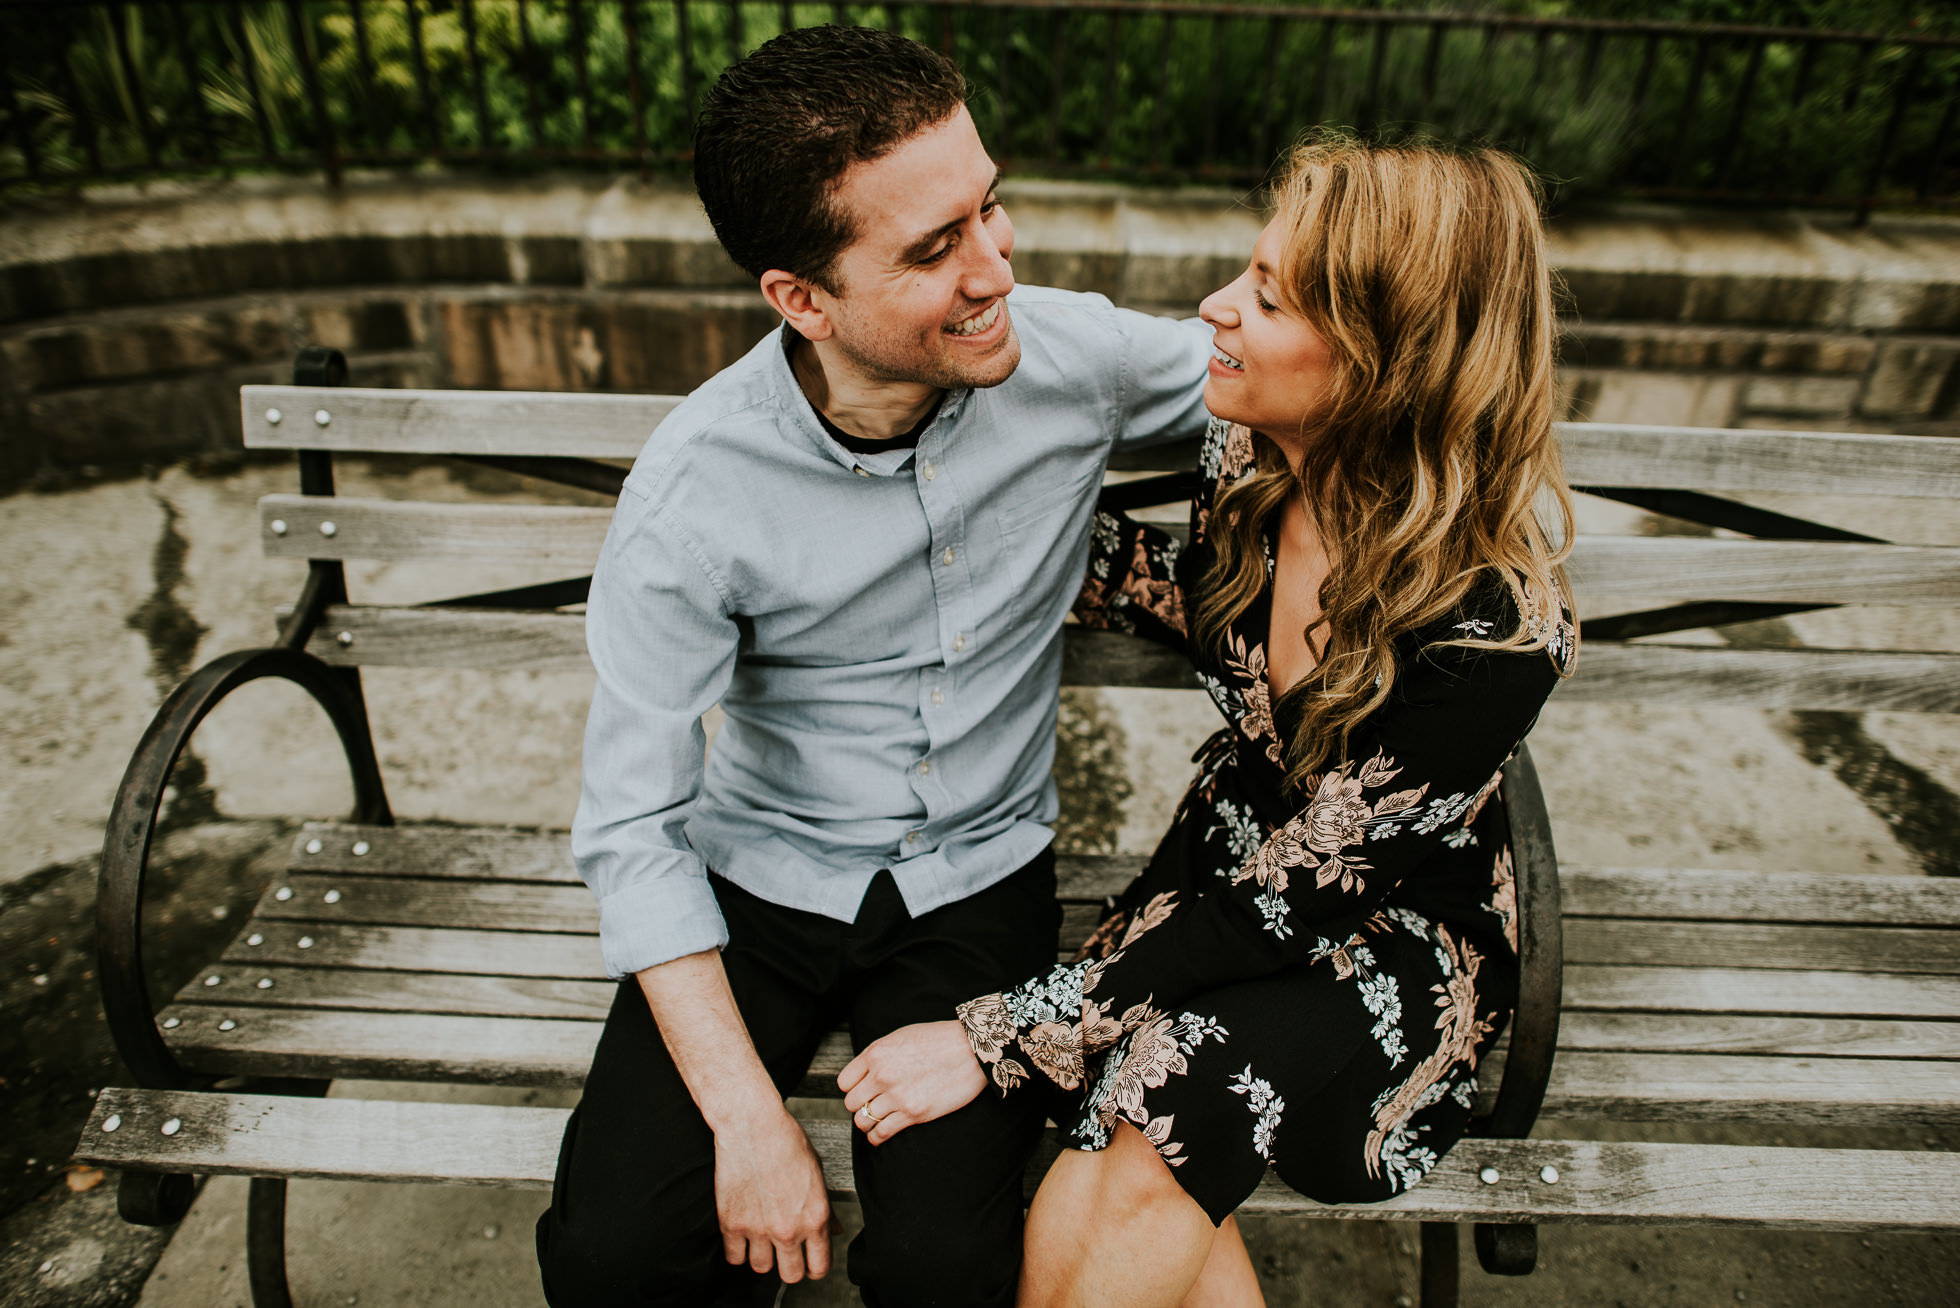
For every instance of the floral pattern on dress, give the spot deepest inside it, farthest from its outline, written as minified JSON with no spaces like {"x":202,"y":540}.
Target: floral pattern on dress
{"x":1266,"y":1107}
{"x":1462,"y":1029}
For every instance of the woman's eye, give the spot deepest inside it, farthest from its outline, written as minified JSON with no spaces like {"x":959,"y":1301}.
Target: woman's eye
{"x":1265,"y":305}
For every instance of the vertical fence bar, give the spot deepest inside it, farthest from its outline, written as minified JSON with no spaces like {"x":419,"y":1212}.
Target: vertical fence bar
{"x":431,"y":112}
{"x":582,"y":69}
{"x":30,"y":153}
{"x":1432,"y":58}
{"x":735,"y":34}
{"x":1901,"y":101}
{"x":787,"y":20}
{"x":316,"y":96}
{"x":1799,"y":92}
{"x":249,"y":67}
{"x":1643,"y":81}
{"x":635,"y":95}
{"x":1269,"y":93}
{"x":180,"y":35}
{"x":139,"y":103}
{"x":1854,"y":90}
{"x":1322,"y":73}
{"x":684,"y":44}
{"x":533,"y":116}
{"x":1158,"y":126}
{"x":1058,"y":61}
{"x":1004,"y":80}
{"x":71,"y":91}
{"x":485,"y":136}
{"x":377,"y":138}
{"x":1215,"y":47}
{"x":1942,"y":136}
{"x":1378,"y":55}
{"x":1690,"y":108}
{"x":1112,"y":73}
{"x":1589,"y":61}
{"x":1744,"y":97}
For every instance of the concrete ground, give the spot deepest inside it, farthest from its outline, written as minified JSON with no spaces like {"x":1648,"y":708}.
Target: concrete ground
{"x":119,"y":588}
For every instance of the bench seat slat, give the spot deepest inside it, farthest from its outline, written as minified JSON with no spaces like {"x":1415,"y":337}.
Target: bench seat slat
{"x":475,"y":1144}
{"x":497,"y":854}
{"x":586,"y":425}
{"x":1610,"y":988}
{"x":1931,"y":950}
{"x":410,"y":949}
{"x":1810,"y":1037}
{"x":371,"y":990}
{"x":565,"y":535}
{"x":548,"y":1052}
{"x":1688,"y":676}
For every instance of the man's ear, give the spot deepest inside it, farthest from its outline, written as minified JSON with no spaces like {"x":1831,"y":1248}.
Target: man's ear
{"x":801,"y":305}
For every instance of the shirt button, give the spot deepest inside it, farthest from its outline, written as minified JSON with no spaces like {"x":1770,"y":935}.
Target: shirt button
{"x":959,"y":643}
{"x":861,"y":472}
{"x":938,"y":697}
{"x":911,"y":837}
{"x":925,"y":768}
{"x":928,"y":471}
{"x":948,"y":556}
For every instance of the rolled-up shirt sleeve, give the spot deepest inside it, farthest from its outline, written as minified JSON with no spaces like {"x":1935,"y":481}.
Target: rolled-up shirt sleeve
{"x":1163,"y":382}
{"x":662,"y":636}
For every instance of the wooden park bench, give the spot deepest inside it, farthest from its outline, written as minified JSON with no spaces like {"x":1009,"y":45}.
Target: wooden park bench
{"x":436,"y":953}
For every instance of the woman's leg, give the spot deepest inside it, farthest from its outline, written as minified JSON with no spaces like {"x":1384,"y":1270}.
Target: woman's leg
{"x":1112,"y":1229}
{"x":1228,"y":1280}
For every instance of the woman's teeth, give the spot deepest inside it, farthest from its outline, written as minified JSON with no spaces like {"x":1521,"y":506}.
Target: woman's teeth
{"x":978,"y":323}
{"x":1227,"y":359}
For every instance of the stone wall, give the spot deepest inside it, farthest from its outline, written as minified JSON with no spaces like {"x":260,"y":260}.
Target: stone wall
{"x":129,"y":318}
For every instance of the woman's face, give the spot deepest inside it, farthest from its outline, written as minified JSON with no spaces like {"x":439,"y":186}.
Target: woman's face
{"x":1269,"y":367}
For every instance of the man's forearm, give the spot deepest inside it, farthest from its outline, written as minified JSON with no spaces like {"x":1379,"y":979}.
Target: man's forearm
{"x":708,"y":1040}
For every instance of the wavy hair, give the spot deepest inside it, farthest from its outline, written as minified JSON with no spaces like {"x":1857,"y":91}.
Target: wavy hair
{"x":1429,"y":459}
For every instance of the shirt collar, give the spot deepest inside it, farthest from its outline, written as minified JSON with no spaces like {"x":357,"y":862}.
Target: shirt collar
{"x":803,"y":416}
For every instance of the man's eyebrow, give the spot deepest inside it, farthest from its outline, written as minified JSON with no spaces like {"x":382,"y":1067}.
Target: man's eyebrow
{"x":922,"y":247}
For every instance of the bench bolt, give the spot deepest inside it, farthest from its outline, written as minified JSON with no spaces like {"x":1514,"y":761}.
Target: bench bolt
{"x":283,"y":894}
{"x":274,"y":417}
{"x":1488,"y":1176}
{"x":332,"y":897}
{"x":279,"y":526}
{"x":344,"y":639}
{"x":360,"y":848}
{"x":213,"y":980}
{"x":322,"y":417}
{"x":328,"y":529}
{"x":1548,"y":1174}
{"x":172,"y":1023}
{"x":265,"y":983}
{"x":227,"y":1025}
{"x":255,"y":939}
{"x":314,"y":846}
{"x":111,"y":1122}
{"x":172,"y":1127}
{"x":306,"y":942}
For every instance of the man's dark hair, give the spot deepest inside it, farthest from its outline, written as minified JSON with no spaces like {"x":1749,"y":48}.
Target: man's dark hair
{"x":781,"y":127}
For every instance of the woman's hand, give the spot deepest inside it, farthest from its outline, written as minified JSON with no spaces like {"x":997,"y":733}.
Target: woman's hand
{"x":913,"y":1075}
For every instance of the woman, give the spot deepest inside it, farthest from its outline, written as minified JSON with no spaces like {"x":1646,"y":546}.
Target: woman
{"x":1323,"y":947}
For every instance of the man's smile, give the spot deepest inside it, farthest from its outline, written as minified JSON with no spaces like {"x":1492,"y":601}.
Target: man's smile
{"x":978,"y":323}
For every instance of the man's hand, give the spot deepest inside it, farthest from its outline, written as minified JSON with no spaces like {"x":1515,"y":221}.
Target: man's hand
{"x":769,"y":1195}
{"x":913,"y":1075}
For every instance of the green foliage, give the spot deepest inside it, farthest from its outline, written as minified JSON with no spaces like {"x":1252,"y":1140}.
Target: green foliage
{"x":1136,"y":94}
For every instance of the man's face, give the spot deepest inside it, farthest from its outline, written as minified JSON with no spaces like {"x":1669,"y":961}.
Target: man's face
{"x":922,"y":291}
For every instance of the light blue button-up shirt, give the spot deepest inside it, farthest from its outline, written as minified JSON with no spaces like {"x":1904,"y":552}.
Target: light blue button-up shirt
{"x":882,"y":631}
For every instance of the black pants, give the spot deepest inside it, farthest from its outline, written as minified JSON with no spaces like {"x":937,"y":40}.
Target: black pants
{"x":632,"y":1218}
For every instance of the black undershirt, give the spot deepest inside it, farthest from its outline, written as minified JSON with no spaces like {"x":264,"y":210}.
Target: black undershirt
{"x":863,"y":444}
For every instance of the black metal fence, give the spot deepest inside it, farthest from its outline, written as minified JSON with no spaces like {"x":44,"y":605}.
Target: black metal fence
{"x":1150,"y":89}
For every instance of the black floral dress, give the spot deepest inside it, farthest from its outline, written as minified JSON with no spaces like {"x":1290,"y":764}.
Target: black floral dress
{"x":1308,"y":989}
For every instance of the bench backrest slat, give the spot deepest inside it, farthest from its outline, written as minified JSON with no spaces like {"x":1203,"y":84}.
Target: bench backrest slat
{"x":597,"y":425}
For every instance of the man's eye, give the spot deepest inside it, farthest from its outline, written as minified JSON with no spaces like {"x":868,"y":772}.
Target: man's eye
{"x":939,"y":254}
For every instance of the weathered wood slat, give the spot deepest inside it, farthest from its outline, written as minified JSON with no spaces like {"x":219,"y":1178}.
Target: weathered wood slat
{"x":1758,"y":896}
{"x":408,"y":949}
{"x":393,"y":901}
{"x":1690,"y":676}
{"x":326,"y":1044}
{"x":1801,"y":462}
{"x":452,"y":422}
{"x":466,"y":853}
{"x":1608,"y":988}
{"x":1802,"y":1037}
{"x":1698,"y":568}
{"x":475,"y":1144}
{"x":545,"y":534}
{"x":370,"y":990}
{"x":1766,"y":945}
{"x":1722,"y":1087}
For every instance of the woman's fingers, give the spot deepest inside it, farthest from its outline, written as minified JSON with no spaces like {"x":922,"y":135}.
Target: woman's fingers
{"x":890,"y":1126}
{"x":855,"y":1069}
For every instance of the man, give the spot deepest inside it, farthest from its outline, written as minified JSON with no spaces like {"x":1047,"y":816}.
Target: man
{"x":860,"y":540}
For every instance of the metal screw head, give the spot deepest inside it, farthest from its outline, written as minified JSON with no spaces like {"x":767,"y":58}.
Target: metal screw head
{"x":314,"y":846}
{"x":1488,"y":1176}
{"x":344,"y":639}
{"x":213,"y":979}
{"x":328,"y":529}
{"x":172,"y":1023}
{"x":322,"y":417}
{"x":265,"y":983}
{"x":360,"y":849}
{"x":112,"y":1122}
{"x":255,"y":939}
{"x":1548,"y":1174}
{"x":227,"y":1025}
{"x":173,"y":1126}
{"x":331,"y":897}
{"x":306,"y":942}
{"x":274,"y":417}
{"x":279,"y":527}
{"x":283,"y":894}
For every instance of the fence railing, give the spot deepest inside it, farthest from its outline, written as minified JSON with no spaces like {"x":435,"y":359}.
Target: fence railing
{"x":1144,"y":89}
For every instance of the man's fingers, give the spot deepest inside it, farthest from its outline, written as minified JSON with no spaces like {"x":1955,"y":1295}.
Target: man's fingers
{"x":789,"y":1262}
{"x":734,"y":1248}
{"x":762,"y":1256}
{"x":816,"y":1256}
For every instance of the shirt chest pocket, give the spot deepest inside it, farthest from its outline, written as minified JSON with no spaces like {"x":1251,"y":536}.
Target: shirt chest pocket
{"x":1041,"y":538}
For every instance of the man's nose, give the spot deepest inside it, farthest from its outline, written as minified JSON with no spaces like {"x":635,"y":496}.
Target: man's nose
{"x":989,"y":274}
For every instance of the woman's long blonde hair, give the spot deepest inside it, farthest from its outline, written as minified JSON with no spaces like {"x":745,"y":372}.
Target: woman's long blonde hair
{"x":1429,"y":457}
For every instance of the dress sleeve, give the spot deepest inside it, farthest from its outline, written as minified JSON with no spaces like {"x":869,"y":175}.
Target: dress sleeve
{"x":1131,"y":584}
{"x":1415,"y":776}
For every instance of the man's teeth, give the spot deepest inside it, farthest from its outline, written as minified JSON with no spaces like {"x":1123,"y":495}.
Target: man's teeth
{"x":1227,"y":359}
{"x":978,"y":323}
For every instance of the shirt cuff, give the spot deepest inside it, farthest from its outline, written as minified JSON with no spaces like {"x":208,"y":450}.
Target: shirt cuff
{"x":658,"y":921}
